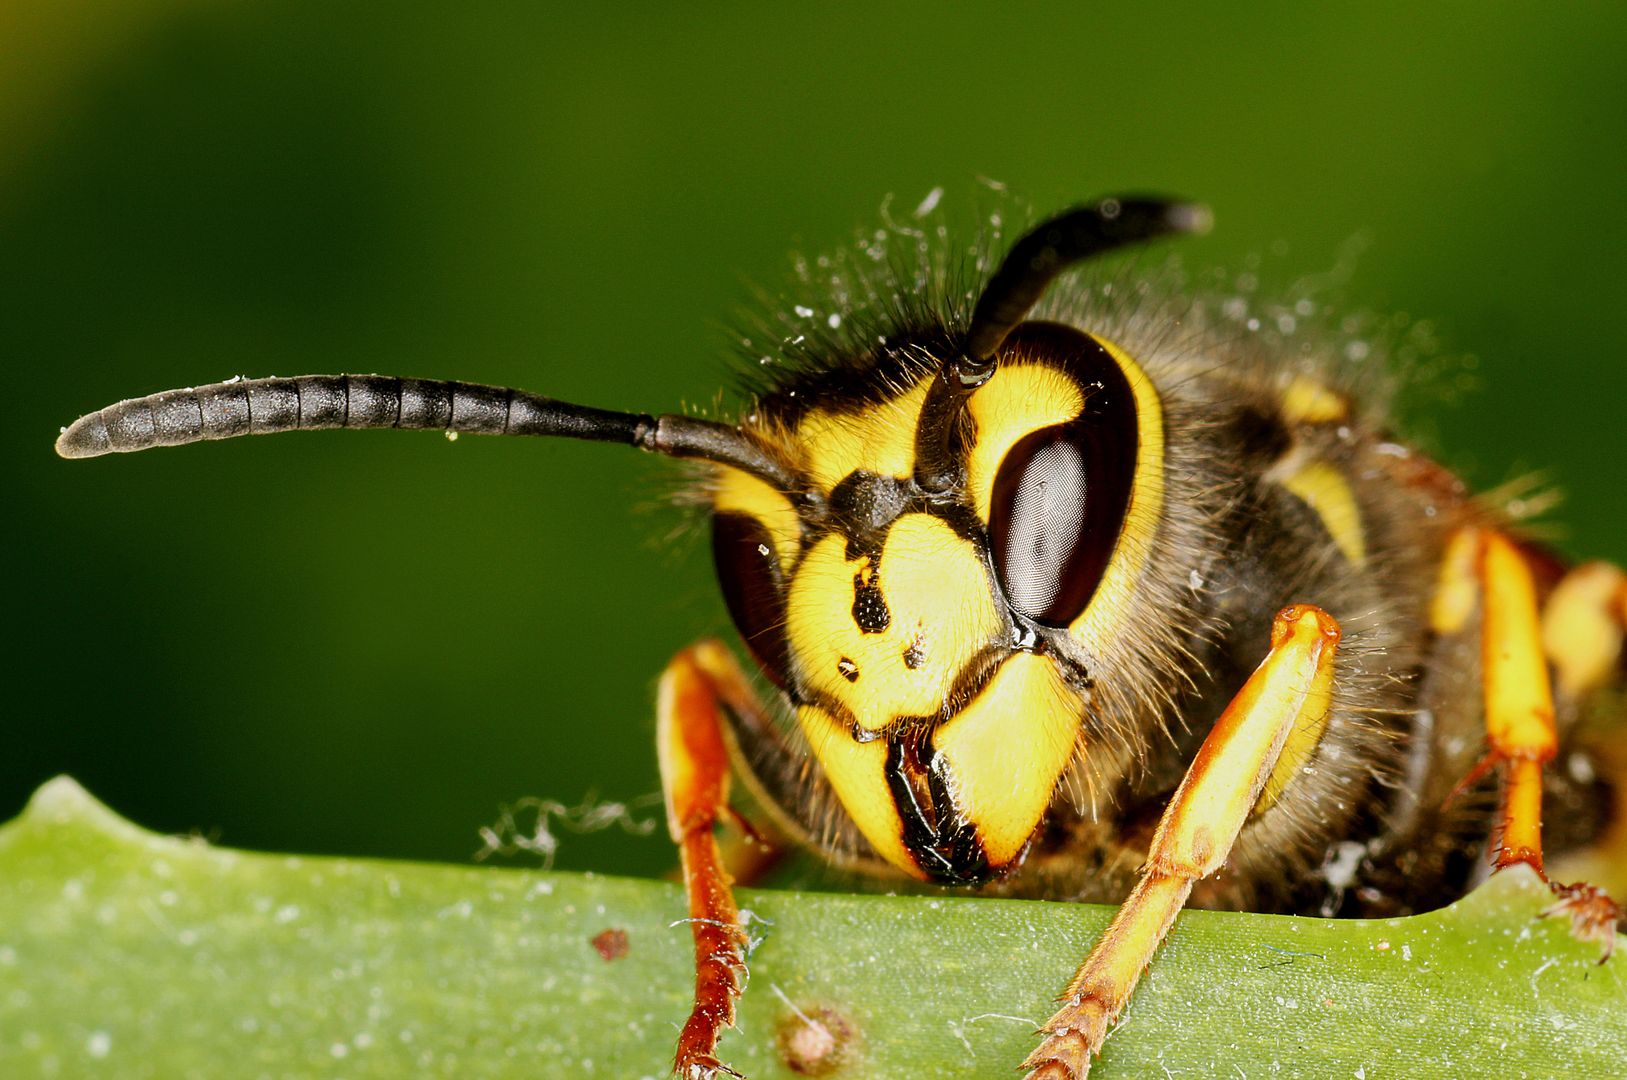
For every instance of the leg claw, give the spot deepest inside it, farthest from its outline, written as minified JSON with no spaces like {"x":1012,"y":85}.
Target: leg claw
{"x":1594,"y":916}
{"x":1072,"y":1037}
{"x":702,"y":1067}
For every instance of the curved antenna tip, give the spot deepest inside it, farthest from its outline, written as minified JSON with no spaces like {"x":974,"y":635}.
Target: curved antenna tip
{"x":1194,"y":219}
{"x":86,"y":437}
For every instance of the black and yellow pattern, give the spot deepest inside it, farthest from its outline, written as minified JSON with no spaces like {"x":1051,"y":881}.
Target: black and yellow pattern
{"x":1075,"y":592}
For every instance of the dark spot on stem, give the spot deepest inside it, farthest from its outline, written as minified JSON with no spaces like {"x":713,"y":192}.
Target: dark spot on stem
{"x":610,"y":944}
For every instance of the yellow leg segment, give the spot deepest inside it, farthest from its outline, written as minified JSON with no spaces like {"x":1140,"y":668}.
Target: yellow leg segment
{"x":1519,"y":700}
{"x":1291,"y":688}
{"x":1581,"y":632}
{"x":1582,"y":627}
{"x":695,"y":779}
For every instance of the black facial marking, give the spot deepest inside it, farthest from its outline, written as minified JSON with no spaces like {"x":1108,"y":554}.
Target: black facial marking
{"x":915,"y":655}
{"x":864,"y":507}
{"x":870,"y":612}
{"x":865,"y":504}
{"x":848,"y":669}
{"x":944,"y":845}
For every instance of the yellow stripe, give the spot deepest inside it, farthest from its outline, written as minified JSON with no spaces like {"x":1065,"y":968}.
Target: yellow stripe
{"x":1110,"y":608}
{"x":1326,"y":491}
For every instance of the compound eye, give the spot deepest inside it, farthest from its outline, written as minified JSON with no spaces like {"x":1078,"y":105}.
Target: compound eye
{"x":1058,"y":504}
{"x":750,"y":576}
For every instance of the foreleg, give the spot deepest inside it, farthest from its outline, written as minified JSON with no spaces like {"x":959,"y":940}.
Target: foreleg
{"x":695,"y":778}
{"x":1292,"y":687}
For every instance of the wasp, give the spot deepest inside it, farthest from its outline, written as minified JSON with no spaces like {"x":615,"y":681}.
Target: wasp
{"x":1062,"y":598}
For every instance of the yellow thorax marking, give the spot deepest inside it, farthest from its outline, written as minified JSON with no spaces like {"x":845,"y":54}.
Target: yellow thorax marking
{"x":941,"y":614}
{"x":1306,"y":401}
{"x":1328,"y":493}
{"x":1321,"y":486}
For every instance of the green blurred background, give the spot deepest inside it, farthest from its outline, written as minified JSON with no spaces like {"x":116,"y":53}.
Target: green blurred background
{"x":365,"y":643}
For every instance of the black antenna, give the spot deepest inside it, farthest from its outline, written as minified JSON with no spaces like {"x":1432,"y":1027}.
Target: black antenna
{"x":308,"y":402}
{"x":1028,"y":269}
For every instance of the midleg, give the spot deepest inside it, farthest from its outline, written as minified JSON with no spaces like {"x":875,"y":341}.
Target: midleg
{"x":1582,"y":635}
{"x":1519,"y":703}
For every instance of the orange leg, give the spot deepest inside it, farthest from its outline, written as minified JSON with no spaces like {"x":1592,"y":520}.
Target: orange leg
{"x":1291,"y":688}
{"x":695,"y":777}
{"x":1519,"y":702}
{"x":1519,"y":705}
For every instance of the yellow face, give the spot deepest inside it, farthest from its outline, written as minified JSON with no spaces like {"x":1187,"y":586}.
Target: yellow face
{"x":926,"y":638}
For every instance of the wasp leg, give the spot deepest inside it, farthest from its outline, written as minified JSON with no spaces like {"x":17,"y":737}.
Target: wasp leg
{"x":1484,"y":567}
{"x":1582,"y":628}
{"x":1519,"y":704}
{"x":1292,"y":687}
{"x":1520,"y":733}
{"x":695,"y":777}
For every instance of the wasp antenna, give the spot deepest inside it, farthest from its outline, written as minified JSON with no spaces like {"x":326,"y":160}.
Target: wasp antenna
{"x":1048,"y":249}
{"x":1034,"y":261}
{"x":312,"y":402}
{"x":707,"y":440}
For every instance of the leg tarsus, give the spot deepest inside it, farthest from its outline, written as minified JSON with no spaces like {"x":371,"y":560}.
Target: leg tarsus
{"x":1054,"y":1070}
{"x":1521,"y":839}
{"x":720,"y":958}
{"x":1594,"y":916}
{"x":1073,"y":1036}
{"x":704,"y":1067}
